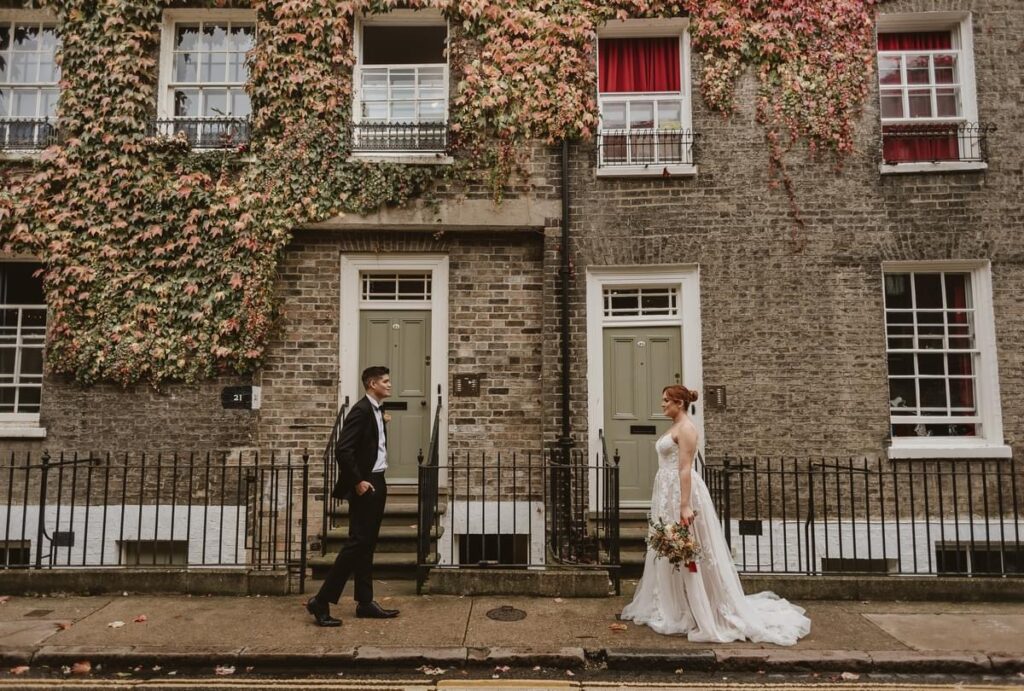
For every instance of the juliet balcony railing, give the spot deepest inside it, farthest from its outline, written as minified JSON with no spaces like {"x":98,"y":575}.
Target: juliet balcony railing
{"x":27,"y":134}
{"x":400,"y":137}
{"x":206,"y":133}
{"x":637,"y":148}
{"x":964,"y":142}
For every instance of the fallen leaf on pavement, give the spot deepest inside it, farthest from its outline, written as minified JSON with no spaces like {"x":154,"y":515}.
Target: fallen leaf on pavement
{"x":569,"y":673}
{"x":617,"y":627}
{"x":4,"y":599}
{"x":495,"y":676}
{"x":502,"y":668}
{"x":20,"y":669}
{"x":537,"y":668}
{"x":171,"y":674}
{"x":249,"y":669}
{"x":679,"y":671}
{"x":141,"y":619}
{"x":63,"y":625}
{"x":83,"y":667}
{"x":431,"y":671}
{"x":558,"y":599}
{"x":157,"y":668}
{"x":65,"y":669}
{"x":122,"y":674}
{"x":223,"y":670}
{"x":849,"y":676}
{"x":115,"y":624}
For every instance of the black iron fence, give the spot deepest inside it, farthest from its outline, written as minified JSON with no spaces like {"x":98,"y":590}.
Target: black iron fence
{"x":428,"y":518}
{"x":645,"y":147}
{"x":399,"y":137}
{"x":936,"y":142}
{"x":525,"y":510}
{"x":206,"y":133}
{"x":27,"y":134}
{"x":165,"y":510}
{"x":850,"y":516}
{"x":331,"y":506}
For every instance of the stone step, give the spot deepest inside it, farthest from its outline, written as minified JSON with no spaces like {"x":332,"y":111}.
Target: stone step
{"x":391,"y":538}
{"x":386,"y":565}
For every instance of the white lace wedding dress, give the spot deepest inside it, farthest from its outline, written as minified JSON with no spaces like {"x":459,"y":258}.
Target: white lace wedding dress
{"x":707,"y":606}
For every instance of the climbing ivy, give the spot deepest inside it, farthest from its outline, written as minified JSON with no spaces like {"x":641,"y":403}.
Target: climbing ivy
{"x":159,"y":263}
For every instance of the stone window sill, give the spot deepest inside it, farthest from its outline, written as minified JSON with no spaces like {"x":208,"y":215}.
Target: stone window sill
{"x":26,"y":431}
{"x":948,"y":450}
{"x":652,"y":171}
{"x":937,"y":167}
{"x":405,"y":158}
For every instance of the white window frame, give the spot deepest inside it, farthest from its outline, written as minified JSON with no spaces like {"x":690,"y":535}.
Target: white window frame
{"x":23,"y":425}
{"x":962,"y":27}
{"x":400,"y":17}
{"x":651,"y":28}
{"x":40,"y":17}
{"x":165,"y":98}
{"x":987,"y":398}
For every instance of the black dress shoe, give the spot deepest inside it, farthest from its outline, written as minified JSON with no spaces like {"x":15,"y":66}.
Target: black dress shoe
{"x":371,"y":610}
{"x":321,"y":611}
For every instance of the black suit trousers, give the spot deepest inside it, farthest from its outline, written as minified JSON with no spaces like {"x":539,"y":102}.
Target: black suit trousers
{"x":365,"y":513}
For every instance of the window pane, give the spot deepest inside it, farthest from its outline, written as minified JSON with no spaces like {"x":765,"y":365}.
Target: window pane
{"x":187,"y":37}
{"x":215,"y":103}
{"x":240,"y":105}
{"x":5,"y":102}
{"x":947,"y":103}
{"x":26,"y":38}
{"x":375,"y":111}
{"x":186,"y":68}
{"x":902,"y":394}
{"x":889,"y":70}
{"x":961,"y":392}
{"x":958,"y":292}
{"x":945,"y":69}
{"x":25,"y":103}
{"x":48,"y":70}
{"x":214,"y":67}
{"x":928,"y":291}
{"x":215,"y":37}
{"x":403,"y":45}
{"x":48,"y":39}
{"x":933,"y":395}
{"x":403,"y":111}
{"x":6,"y":400}
{"x":7,"y":358}
{"x":24,"y":67}
{"x":669,"y":115}
{"x":917,"y":69}
{"x":613,"y":116}
{"x":5,"y":37}
{"x":897,"y":291}
{"x":31,"y":362}
{"x":28,"y":400}
{"x":242,"y":38}
{"x":931,"y":364}
{"x":920,"y":103}
{"x":901,"y":364}
{"x":892,"y":104}
{"x":641,"y":114}
{"x":49,"y":102}
{"x":237,"y":69}
{"x":186,"y":103}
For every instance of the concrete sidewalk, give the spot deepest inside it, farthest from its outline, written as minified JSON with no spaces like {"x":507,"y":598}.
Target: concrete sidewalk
{"x":274,"y":634}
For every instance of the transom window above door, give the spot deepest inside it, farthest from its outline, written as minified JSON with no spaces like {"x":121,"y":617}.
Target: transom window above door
{"x":632,"y":303}
{"x":396,"y":287}
{"x":644,"y":103}
{"x":29,"y":88}
{"x":205,"y":74}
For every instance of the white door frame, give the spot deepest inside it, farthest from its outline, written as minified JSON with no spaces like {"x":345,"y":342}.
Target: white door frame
{"x":684,"y":277}
{"x":351,"y":305}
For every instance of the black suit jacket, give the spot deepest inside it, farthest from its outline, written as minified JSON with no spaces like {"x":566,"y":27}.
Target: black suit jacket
{"x":356,"y":450}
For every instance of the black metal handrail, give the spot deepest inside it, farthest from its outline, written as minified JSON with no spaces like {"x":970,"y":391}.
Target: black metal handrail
{"x":331,"y":506}
{"x":205,"y":133}
{"x":172,"y":510}
{"x":935,"y":142}
{"x":841,"y":516}
{"x":399,"y":137}
{"x":27,"y":134}
{"x":620,"y":148}
{"x":427,"y":500}
{"x":610,"y":512}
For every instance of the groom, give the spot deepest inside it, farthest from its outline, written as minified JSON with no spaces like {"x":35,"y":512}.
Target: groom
{"x":362,"y":457}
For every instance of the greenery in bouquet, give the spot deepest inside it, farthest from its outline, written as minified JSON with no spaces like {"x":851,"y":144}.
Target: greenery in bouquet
{"x":675,"y":542}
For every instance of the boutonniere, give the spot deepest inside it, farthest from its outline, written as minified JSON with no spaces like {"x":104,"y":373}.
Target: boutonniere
{"x":387,"y":418}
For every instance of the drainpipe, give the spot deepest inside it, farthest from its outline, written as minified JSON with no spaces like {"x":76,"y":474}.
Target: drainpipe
{"x":565,"y":442}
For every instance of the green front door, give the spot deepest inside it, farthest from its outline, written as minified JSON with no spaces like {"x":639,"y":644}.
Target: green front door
{"x":638,"y":363}
{"x":400,"y":340}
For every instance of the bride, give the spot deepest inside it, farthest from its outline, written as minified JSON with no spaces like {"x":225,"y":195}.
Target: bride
{"x":709,"y":605}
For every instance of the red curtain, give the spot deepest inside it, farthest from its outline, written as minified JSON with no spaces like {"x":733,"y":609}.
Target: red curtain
{"x":956,"y":291}
{"x":922,"y":146}
{"x":638,"y":65}
{"x":916,"y":40}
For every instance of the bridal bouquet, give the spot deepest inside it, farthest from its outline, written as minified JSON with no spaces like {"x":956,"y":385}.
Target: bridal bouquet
{"x":675,"y":542}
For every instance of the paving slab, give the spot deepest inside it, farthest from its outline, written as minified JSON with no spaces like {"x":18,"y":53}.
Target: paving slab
{"x":58,"y":607}
{"x":27,"y":632}
{"x":983,"y":632}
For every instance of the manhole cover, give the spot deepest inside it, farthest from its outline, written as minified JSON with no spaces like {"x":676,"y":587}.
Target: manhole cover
{"x":506,"y":613}
{"x":38,"y":613}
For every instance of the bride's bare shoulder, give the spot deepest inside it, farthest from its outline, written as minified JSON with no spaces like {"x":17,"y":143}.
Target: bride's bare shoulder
{"x":684,"y":433}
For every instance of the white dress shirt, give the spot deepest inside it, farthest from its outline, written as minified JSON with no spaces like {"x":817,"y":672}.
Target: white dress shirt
{"x":382,"y":449}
